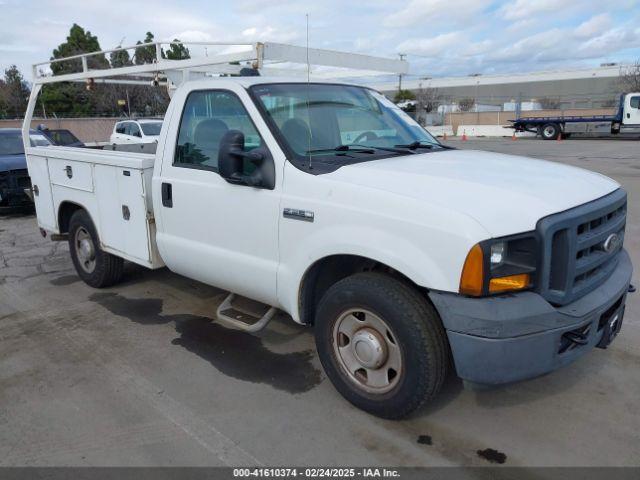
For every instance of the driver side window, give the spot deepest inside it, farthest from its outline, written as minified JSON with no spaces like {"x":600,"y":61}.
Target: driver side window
{"x":207,"y":117}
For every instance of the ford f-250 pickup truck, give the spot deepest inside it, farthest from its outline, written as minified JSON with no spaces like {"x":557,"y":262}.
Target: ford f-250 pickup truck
{"x":324,"y":200}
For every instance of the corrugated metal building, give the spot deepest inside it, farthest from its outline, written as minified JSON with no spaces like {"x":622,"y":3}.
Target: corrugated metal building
{"x":579,"y":88}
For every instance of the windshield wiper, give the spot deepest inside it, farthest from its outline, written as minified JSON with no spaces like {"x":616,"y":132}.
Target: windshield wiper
{"x":417,"y":144}
{"x":386,"y":149}
{"x":357,"y":148}
{"x":344,"y":148}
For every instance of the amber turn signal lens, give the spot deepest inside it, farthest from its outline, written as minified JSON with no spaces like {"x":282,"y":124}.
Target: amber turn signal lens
{"x":512,"y":282}
{"x":472,"y":273}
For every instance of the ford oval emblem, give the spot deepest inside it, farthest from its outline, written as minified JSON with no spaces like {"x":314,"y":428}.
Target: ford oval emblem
{"x":611,"y":243}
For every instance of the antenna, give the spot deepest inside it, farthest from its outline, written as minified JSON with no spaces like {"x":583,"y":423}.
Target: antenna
{"x":308,"y":66}
{"x":308,"y":81}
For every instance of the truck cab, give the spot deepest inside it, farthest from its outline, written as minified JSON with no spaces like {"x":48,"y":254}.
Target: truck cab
{"x":631,"y":111}
{"x":322,"y":199}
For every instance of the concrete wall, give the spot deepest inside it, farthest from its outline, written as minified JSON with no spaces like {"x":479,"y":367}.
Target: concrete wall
{"x":99,"y":129}
{"x":86,"y":129}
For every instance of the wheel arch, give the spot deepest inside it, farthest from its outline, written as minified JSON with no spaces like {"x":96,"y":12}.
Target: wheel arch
{"x":328,"y":270}
{"x":66,"y":209}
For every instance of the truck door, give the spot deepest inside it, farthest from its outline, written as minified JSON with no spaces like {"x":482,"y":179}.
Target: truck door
{"x":632,"y":109}
{"x":220,"y":233}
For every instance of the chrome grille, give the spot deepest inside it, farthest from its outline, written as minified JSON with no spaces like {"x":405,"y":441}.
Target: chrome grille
{"x":574,"y":260}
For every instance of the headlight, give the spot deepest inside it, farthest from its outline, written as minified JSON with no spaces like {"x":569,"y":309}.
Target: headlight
{"x":500,"y":265}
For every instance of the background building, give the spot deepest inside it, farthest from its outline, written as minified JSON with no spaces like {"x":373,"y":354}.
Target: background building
{"x":562,"y":89}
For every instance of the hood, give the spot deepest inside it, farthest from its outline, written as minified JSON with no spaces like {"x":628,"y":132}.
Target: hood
{"x":12,"y":162}
{"x":506,"y":194}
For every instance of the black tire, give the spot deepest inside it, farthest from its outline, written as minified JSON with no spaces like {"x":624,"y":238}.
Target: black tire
{"x":107,"y":269}
{"x":417,"y":330}
{"x":550,"y":131}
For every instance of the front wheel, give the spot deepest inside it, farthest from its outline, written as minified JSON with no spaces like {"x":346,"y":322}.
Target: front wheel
{"x":381,"y":344}
{"x":95,"y":267}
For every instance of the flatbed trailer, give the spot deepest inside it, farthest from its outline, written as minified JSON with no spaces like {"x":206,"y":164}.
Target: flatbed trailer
{"x":626,"y":121}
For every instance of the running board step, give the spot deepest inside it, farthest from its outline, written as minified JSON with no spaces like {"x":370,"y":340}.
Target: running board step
{"x":242,"y":319}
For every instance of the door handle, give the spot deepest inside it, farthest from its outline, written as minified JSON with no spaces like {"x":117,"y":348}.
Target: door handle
{"x":167,"y":195}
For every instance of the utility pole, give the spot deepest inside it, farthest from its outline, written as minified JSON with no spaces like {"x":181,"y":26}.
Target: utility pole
{"x":128,"y":105}
{"x":401,"y":55}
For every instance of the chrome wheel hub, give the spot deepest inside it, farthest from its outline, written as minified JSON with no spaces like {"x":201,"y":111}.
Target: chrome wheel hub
{"x":85,"y":250}
{"x":367,"y":351}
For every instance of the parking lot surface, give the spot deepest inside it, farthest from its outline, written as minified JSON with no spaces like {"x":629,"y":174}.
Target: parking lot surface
{"x":140,"y":374}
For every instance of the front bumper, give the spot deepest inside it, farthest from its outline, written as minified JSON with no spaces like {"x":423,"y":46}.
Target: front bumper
{"x":513,"y":337}
{"x":12,"y":188}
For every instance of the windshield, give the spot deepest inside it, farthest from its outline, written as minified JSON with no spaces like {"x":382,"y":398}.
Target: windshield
{"x":11,"y":144}
{"x":62,"y":137}
{"x":151,"y":128}
{"x":39,"y":140}
{"x":315,"y":119}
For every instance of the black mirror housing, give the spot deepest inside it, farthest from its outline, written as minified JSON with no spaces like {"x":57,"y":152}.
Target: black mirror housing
{"x":231,"y":159}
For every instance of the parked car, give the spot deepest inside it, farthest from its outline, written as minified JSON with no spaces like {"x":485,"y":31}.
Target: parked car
{"x":14,"y":178}
{"x":136,"y":131}
{"x":60,"y":136}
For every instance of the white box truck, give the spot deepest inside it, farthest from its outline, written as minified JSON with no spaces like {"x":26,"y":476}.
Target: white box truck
{"x":324,"y":200}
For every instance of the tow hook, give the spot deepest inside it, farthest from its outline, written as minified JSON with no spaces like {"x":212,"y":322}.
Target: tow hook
{"x":576,"y":337}
{"x":632,"y":289}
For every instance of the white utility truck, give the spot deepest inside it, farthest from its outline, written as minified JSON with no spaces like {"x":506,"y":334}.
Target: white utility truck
{"x":324,"y":200}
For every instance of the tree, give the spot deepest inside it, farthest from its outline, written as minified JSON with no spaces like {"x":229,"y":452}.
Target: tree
{"x":14,"y":93}
{"x":466,"y":104}
{"x":630,"y":78}
{"x":177,"y":51}
{"x":120,"y":58}
{"x":428,"y":99}
{"x":145,"y":54}
{"x":549,"y":103}
{"x":404,"y":95}
{"x":79,"y":41}
{"x":69,"y":98}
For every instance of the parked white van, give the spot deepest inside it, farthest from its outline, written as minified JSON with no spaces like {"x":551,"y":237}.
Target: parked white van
{"x":136,"y":131}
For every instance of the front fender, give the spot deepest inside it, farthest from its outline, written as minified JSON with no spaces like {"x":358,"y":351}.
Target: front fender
{"x":426,"y":242}
{"x":403,"y":253}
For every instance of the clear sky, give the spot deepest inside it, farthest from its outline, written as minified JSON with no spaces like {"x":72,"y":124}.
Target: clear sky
{"x":442,"y":37}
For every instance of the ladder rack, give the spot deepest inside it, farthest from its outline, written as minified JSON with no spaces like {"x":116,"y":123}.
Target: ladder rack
{"x":268,"y":58}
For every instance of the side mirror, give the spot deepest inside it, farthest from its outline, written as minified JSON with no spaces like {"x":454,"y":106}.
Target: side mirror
{"x":231,"y":162}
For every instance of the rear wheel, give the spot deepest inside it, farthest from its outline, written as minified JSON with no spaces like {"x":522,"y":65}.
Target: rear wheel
{"x":381,"y":344}
{"x":95,"y":267}
{"x":550,"y":131}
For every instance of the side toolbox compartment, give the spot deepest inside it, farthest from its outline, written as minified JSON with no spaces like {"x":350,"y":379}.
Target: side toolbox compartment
{"x":38,"y":166}
{"x":125,"y":221}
